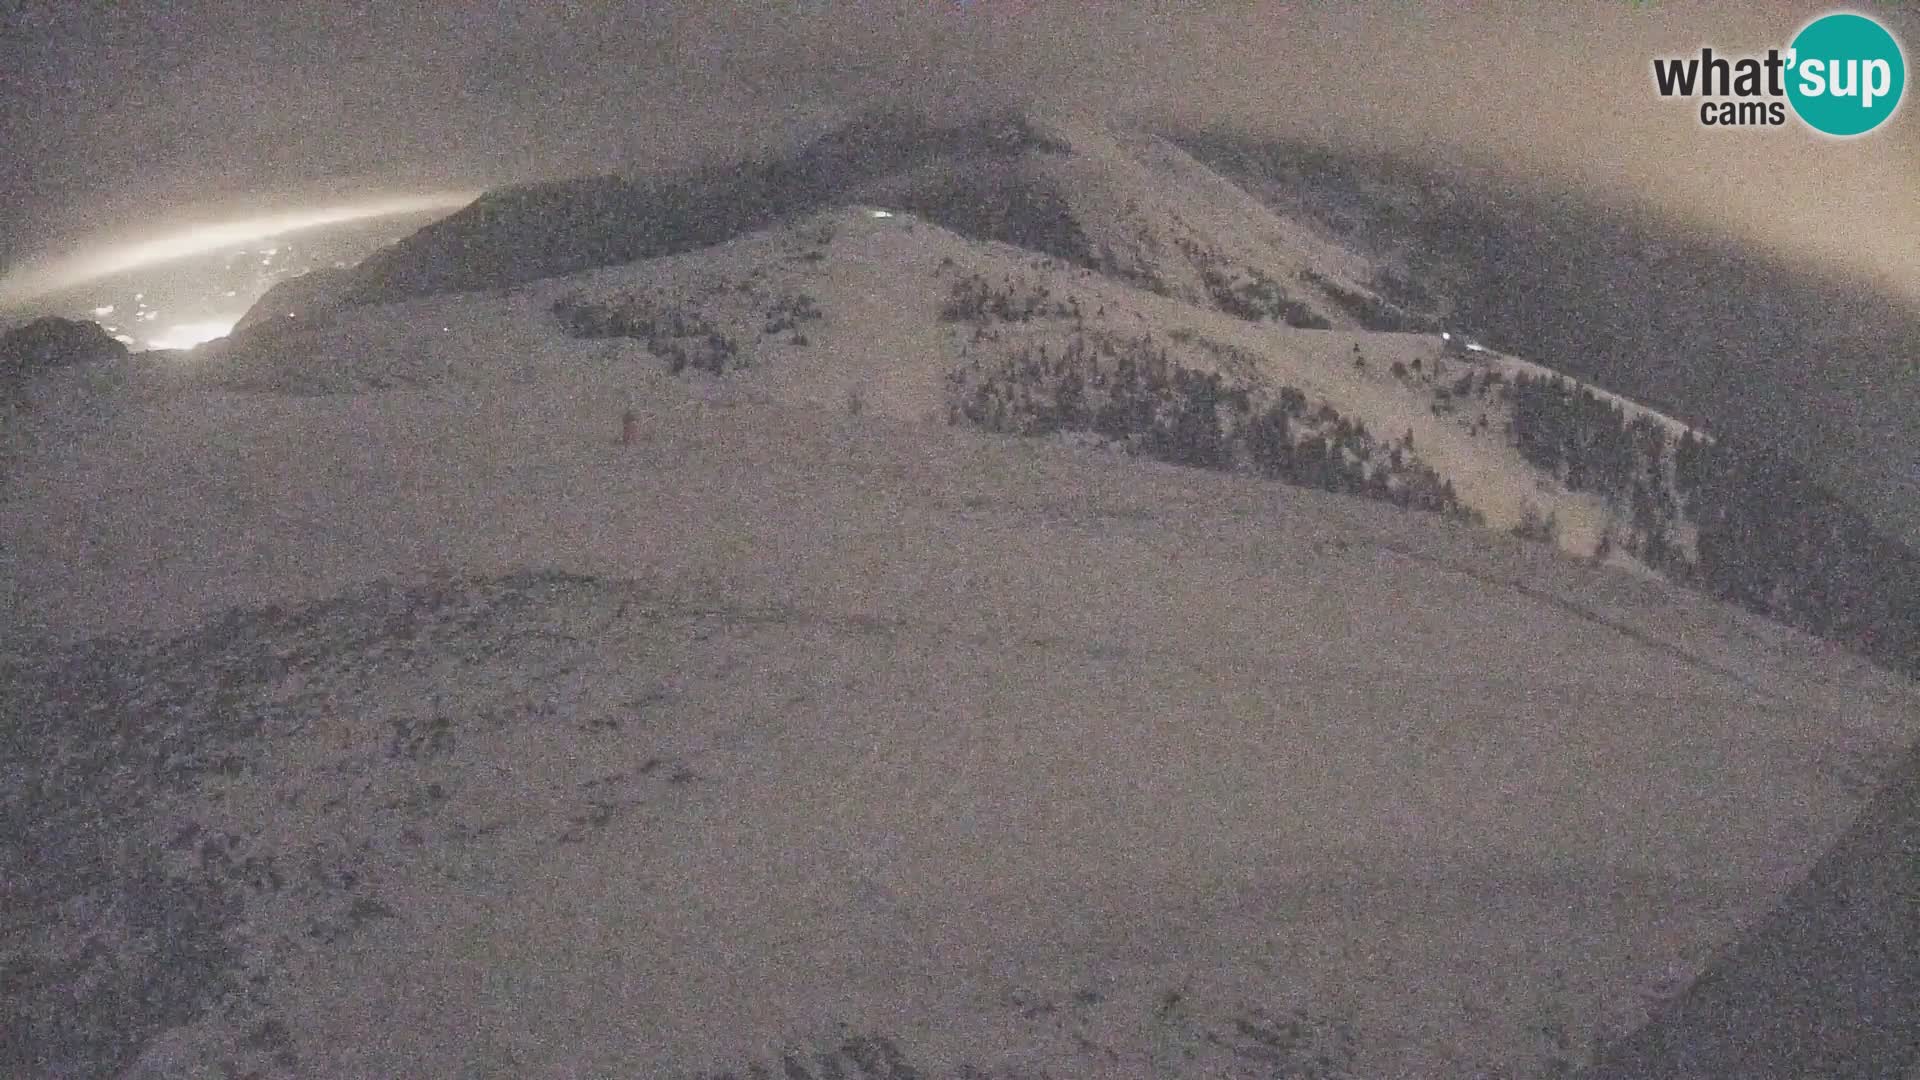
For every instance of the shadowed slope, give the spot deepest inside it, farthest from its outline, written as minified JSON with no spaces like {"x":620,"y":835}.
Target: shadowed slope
{"x":1828,"y":985}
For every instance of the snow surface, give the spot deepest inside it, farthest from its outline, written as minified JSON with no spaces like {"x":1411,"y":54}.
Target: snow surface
{"x":882,"y":281}
{"x":1010,"y":754}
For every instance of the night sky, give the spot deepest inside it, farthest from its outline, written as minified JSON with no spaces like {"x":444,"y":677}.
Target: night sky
{"x":122,"y":119}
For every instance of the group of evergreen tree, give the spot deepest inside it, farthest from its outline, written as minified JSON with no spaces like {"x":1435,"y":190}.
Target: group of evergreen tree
{"x":1476,"y":383}
{"x":1768,"y":536}
{"x":1137,"y":274}
{"x":1132,"y":392}
{"x":1370,"y":311}
{"x":1543,"y":528}
{"x":973,"y":300}
{"x":681,"y":338}
{"x":1587,"y":443}
{"x":790,"y":311}
{"x":1773,"y":540}
{"x":1572,"y":433}
{"x":1259,"y":299}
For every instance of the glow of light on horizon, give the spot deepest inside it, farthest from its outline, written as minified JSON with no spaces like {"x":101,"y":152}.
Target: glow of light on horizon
{"x":187,"y":335}
{"x":79,"y":269}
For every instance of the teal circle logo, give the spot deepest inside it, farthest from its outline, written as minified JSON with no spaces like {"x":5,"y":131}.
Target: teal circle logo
{"x":1846,"y":74}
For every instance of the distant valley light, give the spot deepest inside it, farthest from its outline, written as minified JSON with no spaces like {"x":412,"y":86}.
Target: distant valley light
{"x":36,"y":281}
{"x":187,"y":335}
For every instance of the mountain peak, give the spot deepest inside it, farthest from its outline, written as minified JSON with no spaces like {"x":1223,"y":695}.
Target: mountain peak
{"x":1133,"y":207}
{"x":1007,"y":128}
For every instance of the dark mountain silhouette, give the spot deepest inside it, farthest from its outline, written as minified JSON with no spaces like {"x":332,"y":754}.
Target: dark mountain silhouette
{"x":52,"y":342}
{"x":534,"y":231}
{"x":296,"y":296}
{"x":1827,"y":985}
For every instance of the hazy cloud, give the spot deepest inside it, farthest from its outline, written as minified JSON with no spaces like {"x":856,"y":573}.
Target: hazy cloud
{"x":128,"y":111}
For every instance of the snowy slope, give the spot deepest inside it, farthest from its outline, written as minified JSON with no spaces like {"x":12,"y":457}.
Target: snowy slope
{"x":849,"y":737}
{"x":1155,"y":216}
{"x":817,"y":731}
{"x":879,"y":285}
